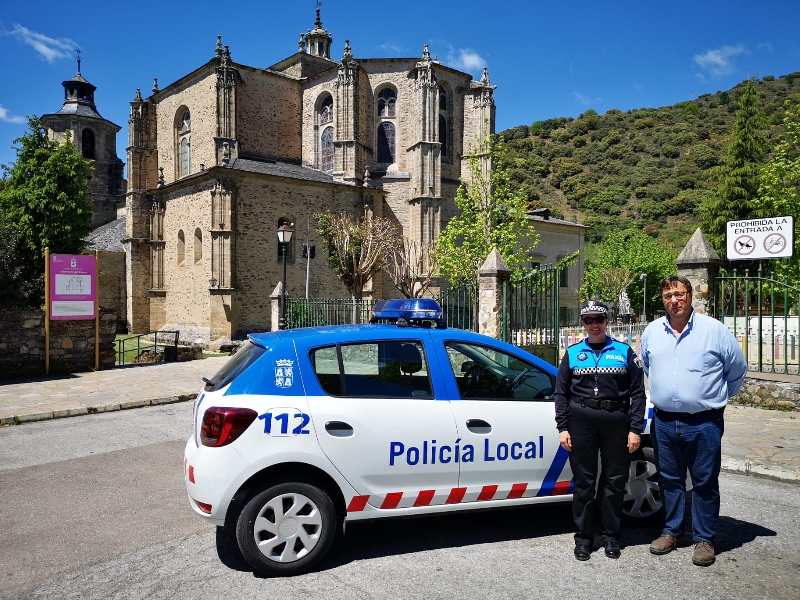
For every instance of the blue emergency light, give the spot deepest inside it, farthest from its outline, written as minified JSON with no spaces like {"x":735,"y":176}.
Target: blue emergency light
{"x":421,"y":312}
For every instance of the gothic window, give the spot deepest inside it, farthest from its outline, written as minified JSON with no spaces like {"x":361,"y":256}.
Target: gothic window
{"x":386,"y":142}
{"x":181,"y":248}
{"x":198,"y":246}
{"x":185,"y":143}
{"x":444,"y":120}
{"x":87,"y":144}
{"x":326,"y":111}
{"x":443,"y":135}
{"x":286,"y":220}
{"x":387,"y":98}
{"x":326,"y":150}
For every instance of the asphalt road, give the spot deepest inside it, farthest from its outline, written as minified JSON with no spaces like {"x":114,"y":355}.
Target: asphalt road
{"x":95,"y":507}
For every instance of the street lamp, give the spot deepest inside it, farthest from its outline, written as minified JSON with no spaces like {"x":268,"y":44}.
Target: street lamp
{"x":643,"y":277}
{"x":284,"y":237}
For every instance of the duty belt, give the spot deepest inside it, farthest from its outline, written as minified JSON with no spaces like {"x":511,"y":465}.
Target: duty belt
{"x":603,"y":403}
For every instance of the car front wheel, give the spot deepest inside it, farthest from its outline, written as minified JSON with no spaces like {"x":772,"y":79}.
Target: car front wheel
{"x":642,"y":501}
{"x":286,"y":529}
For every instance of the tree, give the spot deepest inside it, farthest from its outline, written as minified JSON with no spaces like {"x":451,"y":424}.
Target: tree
{"x":739,"y":175}
{"x":779,"y":189}
{"x":622,"y":258}
{"x":491,"y":215}
{"x":358,"y":247}
{"x":44,"y":200}
{"x":411,"y":267}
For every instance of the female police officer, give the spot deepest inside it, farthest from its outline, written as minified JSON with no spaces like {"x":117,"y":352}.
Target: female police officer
{"x":600,"y":403}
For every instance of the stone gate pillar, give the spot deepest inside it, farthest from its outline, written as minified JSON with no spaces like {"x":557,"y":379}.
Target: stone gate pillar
{"x":699,"y":263}
{"x":491,"y":276}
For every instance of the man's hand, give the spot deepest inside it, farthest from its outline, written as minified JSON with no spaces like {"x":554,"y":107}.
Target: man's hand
{"x":634,"y":441}
{"x":566,"y":441}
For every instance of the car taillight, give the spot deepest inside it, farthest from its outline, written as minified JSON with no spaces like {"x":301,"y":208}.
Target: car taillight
{"x":223,"y":425}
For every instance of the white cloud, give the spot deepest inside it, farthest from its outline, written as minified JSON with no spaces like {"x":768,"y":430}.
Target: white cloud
{"x":586,"y":100}
{"x":766,"y":46}
{"x":465,"y":59}
{"x":9,"y":118}
{"x":48,"y":48}
{"x":638,"y":87}
{"x":718,"y":61}
{"x":389,"y":46}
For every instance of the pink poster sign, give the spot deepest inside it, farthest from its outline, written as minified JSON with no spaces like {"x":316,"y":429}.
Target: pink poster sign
{"x":73,"y":287}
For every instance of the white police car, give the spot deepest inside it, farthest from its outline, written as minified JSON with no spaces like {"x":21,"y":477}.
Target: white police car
{"x":305,"y":429}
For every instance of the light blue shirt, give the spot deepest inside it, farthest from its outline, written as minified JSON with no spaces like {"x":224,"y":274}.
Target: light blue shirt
{"x":697,"y":371}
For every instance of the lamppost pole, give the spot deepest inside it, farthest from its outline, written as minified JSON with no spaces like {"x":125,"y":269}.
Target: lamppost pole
{"x":284,"y":237}
{"x":643,"y":277}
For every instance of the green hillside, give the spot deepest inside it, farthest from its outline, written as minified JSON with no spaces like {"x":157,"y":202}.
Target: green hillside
{"x":644,"y":169}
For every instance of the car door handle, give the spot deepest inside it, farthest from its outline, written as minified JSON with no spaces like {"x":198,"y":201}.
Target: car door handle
{"x":478,"y":426}
{"x":339,"y":428}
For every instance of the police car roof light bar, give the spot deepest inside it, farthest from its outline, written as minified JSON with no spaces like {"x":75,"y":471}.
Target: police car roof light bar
{"x":408,"y":311}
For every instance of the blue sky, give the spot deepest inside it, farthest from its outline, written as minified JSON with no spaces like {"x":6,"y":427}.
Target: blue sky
{"x":548,"y":59}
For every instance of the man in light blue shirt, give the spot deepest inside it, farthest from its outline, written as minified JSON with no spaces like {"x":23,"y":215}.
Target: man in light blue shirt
{"x":694,"y":364}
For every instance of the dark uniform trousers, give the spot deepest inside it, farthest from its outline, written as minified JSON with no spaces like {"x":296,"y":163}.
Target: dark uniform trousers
{"x":593,"y":429}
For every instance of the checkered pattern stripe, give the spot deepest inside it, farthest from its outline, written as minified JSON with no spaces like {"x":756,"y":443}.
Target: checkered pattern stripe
{"x":592,"y":371}
{"x":458,"y":495}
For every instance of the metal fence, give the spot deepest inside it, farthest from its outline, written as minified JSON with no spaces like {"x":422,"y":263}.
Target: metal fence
{"x":460,"y":307}
{"x":317,"y":312}
{"x":762,"y":313}
{"x":531,"y":309}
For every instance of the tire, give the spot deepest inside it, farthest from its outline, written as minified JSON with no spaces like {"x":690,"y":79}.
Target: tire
{"x":642,"y":503}
{"x":286,"y":529}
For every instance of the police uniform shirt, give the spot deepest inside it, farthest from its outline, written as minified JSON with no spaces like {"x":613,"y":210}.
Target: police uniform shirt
{"x":615,"y":370}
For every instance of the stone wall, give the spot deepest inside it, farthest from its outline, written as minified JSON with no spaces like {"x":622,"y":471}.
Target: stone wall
{"x":769,"y":394}
{"x":22,"y":344}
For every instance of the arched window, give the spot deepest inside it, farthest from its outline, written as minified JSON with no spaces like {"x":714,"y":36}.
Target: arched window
{"x":198,"y":246}
{"x":326,"y":111}
{"x":326,"y":150}
{"x":386,"y":142}
{"x":443,"y":135}
{"x":387,"y":98}
{"x":185,"y":143}
{"x":87,"y":144}
{"x":286,"y":220}
{"x":181,"y":248}
{"x":444,"y":119}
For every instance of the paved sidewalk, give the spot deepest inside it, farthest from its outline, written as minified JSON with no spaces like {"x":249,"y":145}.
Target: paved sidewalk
{"x":756,"y":441}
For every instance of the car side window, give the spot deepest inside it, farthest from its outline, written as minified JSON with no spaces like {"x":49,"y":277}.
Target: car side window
{"x":383,"y":369}
{"x":485,"y":373}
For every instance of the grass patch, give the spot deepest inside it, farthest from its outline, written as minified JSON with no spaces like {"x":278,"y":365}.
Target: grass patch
{"x":130,"y":345}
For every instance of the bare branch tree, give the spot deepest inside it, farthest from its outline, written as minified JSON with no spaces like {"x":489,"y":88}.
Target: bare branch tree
{"x":358,"y":247}
{"x":411,"y":267}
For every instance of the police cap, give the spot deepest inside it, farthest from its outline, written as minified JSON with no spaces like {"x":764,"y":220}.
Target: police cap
{"x":592,"y":307}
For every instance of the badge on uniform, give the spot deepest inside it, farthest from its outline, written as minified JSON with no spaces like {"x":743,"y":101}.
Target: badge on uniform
{"x":637,"y":361}
{"x":284,"y":373}
{"x":583,"y":356}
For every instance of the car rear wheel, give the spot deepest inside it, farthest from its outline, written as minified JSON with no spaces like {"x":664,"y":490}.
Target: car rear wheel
{"x":642,"y":502}
{"x":287,"y":528}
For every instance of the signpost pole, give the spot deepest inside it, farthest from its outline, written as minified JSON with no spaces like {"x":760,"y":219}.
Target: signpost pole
{"x":96,"y":284}
{"x":47,"y":311}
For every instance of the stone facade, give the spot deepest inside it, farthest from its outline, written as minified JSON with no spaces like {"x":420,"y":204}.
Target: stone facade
{"x":72,"y":344}
{"x":220,"y":158}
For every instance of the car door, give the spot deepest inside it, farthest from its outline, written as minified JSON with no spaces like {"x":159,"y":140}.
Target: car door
{"x":505,"y":417}
{"x":378,"y":421}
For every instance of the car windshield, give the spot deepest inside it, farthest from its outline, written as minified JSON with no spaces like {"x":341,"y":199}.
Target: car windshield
{"x":244,"y":357}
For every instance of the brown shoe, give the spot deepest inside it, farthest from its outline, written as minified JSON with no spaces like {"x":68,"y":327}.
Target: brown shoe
{"x":703,"y":554}
{"x":664,"y":544}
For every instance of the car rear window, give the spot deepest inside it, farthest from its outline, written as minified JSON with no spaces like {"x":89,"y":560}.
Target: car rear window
{"x":383,"y":369}
{"x":246,"y":356}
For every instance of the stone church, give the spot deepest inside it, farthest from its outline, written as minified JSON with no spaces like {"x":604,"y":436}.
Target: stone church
{"x":221,"y":158}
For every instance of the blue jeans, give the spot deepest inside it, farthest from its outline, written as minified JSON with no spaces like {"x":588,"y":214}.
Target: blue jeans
{"x":695,"y":442}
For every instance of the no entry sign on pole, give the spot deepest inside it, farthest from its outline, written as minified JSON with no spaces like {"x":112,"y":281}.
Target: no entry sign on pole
{"x":767,"y":237}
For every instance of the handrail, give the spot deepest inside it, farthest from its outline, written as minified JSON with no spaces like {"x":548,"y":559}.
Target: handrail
{"x":123,"y":346}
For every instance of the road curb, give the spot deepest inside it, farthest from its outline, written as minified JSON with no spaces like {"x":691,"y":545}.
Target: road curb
{"x":94,"y":409}
{"x":747,"y":467}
